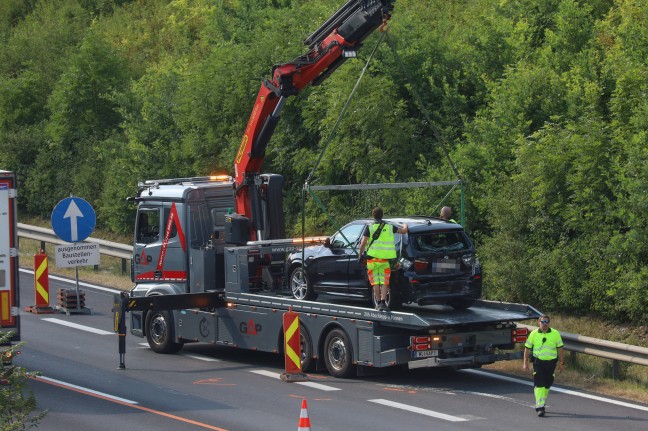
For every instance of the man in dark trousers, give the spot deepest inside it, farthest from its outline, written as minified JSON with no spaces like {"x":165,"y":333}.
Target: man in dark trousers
{"x":378,"y":239}
{"x":546,"y":346}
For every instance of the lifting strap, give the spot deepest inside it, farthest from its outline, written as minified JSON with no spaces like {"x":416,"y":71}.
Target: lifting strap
{"x":346,"y":106}
{"x":328,"y":140}
{"x":383,"y":32}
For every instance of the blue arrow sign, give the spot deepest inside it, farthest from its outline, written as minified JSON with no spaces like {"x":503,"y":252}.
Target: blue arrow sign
{"x":73,"y":219}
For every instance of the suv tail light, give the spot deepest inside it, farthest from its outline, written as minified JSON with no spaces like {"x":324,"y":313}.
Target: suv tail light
{"x":519,"y":335}
{"x":420,"y":265}
{"x":405,"y":264}
{"x":468,"y":259}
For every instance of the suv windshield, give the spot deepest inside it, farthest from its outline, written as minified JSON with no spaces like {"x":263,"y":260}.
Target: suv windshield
{"x":439,"y":242}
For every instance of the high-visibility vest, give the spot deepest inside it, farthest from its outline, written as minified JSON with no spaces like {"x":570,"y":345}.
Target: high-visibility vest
{"x":383,"y":246}
{"x":546,"y":350}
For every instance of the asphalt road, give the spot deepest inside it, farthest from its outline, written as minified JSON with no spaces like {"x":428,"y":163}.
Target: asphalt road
{"x":219,"y":388}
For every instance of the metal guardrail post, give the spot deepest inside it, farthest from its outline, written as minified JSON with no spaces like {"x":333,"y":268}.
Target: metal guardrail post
{"x":616,"y":370}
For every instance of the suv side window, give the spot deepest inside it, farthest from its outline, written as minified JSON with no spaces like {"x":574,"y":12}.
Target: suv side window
{"x":347,"y":236}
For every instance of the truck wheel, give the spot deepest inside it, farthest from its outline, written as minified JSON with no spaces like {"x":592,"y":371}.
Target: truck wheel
{"x":300,"y":287}
{"x":338,"y":354}
{"x":306,"y":349}
{"x":462,"y":304}
{"x":159,"y":330}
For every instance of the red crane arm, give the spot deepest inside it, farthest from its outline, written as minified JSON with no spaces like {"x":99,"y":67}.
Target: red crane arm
{"x":343,"y":31}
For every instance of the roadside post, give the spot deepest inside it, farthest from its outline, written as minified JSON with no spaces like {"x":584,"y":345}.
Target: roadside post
{"x":119,"y":314}
{"x":73,"y":220}
{"x":41,"y":285}
{"x":292,"y":348}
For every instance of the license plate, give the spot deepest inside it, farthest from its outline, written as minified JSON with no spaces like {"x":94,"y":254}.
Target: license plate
{"x":426,"y":353}
{"x":445,"y":265}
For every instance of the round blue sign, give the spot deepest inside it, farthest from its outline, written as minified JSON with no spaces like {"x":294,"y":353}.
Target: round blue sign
{"x":73,"y":219}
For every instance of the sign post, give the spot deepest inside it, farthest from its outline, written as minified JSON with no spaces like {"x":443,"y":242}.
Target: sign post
{"x":73,"y":220}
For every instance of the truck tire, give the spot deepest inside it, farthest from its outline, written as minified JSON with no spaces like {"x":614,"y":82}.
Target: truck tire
{"x":300,"y":287}
{"x":306,"y":343}
{"x":338,"y":354}
{"x":159,"y":332}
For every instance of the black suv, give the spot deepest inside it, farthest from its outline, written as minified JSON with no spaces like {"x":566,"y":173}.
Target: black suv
{"x":436,"y":264}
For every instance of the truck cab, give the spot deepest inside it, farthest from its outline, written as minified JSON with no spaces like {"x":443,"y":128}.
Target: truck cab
{"x":182,"y":227}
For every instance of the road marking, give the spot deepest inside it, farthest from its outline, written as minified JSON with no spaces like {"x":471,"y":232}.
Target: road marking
{"x":412,"y":389}
{"x":77,"y":326}
{"x":420,"y":410}
{"x":561,"y":390}
{"x":83,"y":390}
{"x":313,"y":385}
{"x":124,"y":402}
{"x":201,"y":358}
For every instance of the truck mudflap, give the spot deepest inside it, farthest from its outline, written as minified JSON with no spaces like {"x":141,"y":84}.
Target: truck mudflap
{"x":464,"y":361}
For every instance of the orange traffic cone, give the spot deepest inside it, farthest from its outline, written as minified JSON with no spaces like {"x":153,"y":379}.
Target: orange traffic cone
{"x":304,"y":421}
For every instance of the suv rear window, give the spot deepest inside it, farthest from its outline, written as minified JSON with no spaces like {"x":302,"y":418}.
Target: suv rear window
{"x":439,"y":242}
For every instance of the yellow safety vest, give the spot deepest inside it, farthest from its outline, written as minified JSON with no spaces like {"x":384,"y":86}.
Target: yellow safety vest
{"x":544,"y":344}
{"x":383,"y":246}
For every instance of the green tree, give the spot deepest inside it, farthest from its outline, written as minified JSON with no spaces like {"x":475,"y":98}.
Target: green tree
{"x":83,"y":115}
{"x":17,"y":404}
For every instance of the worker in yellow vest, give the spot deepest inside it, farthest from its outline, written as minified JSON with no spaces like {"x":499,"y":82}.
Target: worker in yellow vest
{"x":378,"y":241}
{"x":546,"y":346}
{"x":446,"y":214}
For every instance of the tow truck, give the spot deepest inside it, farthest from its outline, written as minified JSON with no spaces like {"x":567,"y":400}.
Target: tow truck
{"x":207,"y":255}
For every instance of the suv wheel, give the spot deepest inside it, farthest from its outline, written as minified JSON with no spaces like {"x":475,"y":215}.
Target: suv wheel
{"x":300,"y":287}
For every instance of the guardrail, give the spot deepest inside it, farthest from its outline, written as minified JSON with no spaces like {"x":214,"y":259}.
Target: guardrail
{"x":109,"y":248}
{"x":617,"y":352}
{"x":575,"y":343}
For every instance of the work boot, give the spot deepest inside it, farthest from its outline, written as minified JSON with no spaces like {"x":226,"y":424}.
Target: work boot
{"x":541,"y":412}
{"x":382,"y":306}
{"x":379,"y":306}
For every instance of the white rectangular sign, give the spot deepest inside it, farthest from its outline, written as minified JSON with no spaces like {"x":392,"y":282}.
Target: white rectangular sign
{"x":77,"y":254}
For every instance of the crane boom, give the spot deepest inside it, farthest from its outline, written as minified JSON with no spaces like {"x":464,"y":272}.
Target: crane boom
{"x":343,"y":32}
